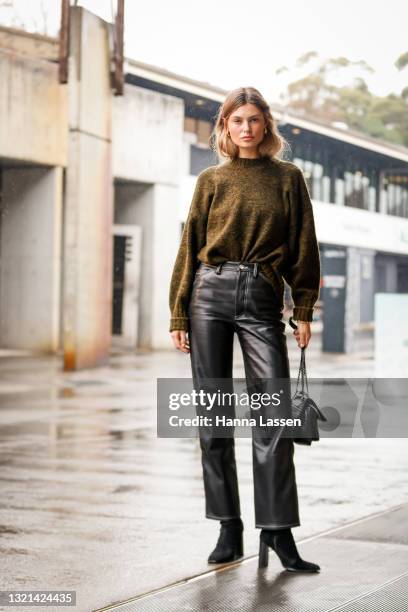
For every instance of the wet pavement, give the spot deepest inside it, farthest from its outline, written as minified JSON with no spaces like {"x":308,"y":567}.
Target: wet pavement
{"x":93,"y":501}
{"x":351,"y":578}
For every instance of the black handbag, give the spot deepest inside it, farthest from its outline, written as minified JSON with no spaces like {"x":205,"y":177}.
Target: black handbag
{"x":303,"y":406}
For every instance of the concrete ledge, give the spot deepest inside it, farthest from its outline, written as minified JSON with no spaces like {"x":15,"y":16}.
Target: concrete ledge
{"x":29,"y":43}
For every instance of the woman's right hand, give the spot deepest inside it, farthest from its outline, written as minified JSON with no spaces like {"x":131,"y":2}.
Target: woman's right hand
{"x":181,"y":341}
{"x":302,"y":334}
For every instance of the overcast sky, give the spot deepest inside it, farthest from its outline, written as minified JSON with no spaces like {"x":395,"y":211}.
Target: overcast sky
{"x":232,"y":43}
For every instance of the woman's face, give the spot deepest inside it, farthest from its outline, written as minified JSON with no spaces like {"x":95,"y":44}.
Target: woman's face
{"x":246,"y":126}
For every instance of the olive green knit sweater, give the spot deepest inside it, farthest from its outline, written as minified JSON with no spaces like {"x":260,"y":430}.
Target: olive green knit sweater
{"x":250,"y":210}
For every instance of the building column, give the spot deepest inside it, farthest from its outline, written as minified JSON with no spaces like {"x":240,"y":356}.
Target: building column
{"x":87,"y":296}
{"x":353,"y":298}
{"x":367,"y":290}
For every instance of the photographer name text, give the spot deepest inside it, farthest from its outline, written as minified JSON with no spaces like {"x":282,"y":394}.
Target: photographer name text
{"x":223,"y":421}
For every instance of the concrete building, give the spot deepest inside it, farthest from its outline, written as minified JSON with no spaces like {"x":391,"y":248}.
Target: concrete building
{"x":68,"y":187}
{"x":95,"y":188}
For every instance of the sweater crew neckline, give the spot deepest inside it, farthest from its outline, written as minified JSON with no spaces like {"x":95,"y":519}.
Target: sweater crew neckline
{"x":247,"y":162}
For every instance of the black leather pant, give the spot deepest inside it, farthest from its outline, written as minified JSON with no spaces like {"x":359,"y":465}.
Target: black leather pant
{"x":236,"y":297}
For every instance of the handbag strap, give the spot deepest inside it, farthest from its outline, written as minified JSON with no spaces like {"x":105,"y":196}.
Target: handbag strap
{"x":302,"y":375}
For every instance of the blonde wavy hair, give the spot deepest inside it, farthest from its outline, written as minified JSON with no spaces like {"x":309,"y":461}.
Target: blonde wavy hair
{"x":273,"y":143}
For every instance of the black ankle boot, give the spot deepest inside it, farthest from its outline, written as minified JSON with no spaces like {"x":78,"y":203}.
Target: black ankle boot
{"x":230,"y":545}
{"x":282,"y":542}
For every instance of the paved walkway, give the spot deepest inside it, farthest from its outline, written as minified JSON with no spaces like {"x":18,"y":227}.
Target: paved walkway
{"x":364,"y":568}
{"x":93,"y":501}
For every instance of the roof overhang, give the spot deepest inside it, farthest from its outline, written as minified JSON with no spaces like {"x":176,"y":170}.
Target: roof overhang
{"x":186,"y":87}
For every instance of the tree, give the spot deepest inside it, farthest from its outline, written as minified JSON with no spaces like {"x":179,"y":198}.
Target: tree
{"x":319,"y":94}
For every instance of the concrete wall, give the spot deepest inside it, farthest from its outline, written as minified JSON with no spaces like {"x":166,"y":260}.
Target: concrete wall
{"x":29,"y":43}
{"x":134,"y":206}
{"x":148,"y":136}
{"x":30,"y":256}
{"x":165,"y":247}
{"x":154,"y":209}
{"x":149,"y":160}
{"x":33,"y":110}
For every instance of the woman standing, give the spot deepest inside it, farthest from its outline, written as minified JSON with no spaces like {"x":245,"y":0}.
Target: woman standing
{"x":250,"y":225}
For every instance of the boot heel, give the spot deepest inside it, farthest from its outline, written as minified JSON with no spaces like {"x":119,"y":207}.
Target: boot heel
{"x":263,"y":555}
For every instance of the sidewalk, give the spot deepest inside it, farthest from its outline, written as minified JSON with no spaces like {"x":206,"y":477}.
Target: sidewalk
{"x":93,"y":501}
{"x":352,"y":577}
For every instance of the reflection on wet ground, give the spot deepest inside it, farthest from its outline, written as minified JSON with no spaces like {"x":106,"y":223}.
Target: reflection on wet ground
{"x":92,"y":500}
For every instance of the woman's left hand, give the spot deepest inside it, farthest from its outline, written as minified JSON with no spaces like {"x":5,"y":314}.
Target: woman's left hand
{"x":302,"y":333}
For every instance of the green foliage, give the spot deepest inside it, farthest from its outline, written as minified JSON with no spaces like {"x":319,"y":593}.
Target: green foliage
{"x":315,"y":95}
{"x":402,"y":61}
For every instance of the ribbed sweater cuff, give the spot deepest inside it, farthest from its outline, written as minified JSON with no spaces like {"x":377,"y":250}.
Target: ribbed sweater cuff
{"x":301,"y":313}
{"x":179,"y":323}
